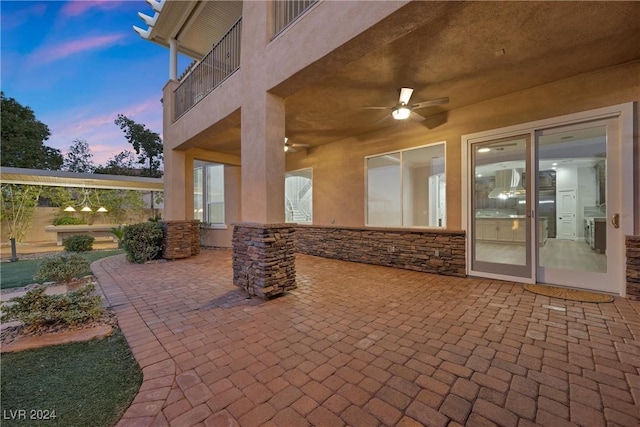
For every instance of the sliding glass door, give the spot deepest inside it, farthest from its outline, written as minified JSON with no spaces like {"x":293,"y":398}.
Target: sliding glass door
{"x":500,"y":207}
{"x":552,"y":202}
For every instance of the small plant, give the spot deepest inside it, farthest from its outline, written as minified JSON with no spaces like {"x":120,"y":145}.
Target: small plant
{"x":78,"y":243}
{"x":68,"y":220}
{"x":142,"y":242}
{"x":118,"y":233}
{"x":37,"y":310}
{"x":61,"y":269}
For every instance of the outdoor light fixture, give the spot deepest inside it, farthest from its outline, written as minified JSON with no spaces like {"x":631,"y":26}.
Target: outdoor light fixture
{"x":69,"y":209}
{"x":401,"y":113}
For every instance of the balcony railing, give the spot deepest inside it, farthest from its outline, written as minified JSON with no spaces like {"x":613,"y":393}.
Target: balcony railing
{"x":222,"y":61}
{"x":287,"y":11}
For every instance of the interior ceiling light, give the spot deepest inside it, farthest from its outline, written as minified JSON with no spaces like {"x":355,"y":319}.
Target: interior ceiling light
{"x":554,"y":164}
{"x":69,"y":209}
{"x":102,"y":209}
{"x":86,"y":209}
{"x":484,"y":150}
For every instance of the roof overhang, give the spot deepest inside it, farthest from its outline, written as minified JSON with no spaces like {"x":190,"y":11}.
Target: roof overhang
{"x":78,"y":180}
{"x":196,"y":25}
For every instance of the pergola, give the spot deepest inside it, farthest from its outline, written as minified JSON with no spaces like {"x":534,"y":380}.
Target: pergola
{"x":78,"y":180}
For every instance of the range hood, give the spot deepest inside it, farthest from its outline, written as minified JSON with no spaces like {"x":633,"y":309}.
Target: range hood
{"x":508,"y":184}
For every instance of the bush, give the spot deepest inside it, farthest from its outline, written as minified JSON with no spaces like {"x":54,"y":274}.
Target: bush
{"x":68,"y":220}
{"x":37,"y":310}
{"x":79,"y":243}
{"x":142,"y":242}
{"x":61,"y":269}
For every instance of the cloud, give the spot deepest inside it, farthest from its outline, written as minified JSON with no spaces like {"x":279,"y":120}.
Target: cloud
{"x":76,"y":8}
{"x":16,"y":19}
{"x":105,"y":138}
{"x":48,"y":54}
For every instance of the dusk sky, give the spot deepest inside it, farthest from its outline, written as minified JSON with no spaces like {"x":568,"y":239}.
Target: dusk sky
{"x":78,"y":64}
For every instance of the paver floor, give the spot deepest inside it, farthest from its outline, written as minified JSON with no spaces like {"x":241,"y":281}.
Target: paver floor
{"x":364,"y":345}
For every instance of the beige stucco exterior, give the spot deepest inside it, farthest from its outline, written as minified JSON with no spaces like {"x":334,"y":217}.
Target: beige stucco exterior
{"x":285,"y":84}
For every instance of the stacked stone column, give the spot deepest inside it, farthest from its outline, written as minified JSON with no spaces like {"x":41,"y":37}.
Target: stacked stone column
{"x":181,"y":239}
{"x":633,"y":267}
{"x":264,"y":258}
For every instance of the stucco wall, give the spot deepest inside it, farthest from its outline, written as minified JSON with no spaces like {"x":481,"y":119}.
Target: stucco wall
{"x":338,"y":167}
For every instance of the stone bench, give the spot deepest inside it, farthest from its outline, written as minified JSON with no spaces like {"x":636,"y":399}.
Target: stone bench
{"x":96,"y":231}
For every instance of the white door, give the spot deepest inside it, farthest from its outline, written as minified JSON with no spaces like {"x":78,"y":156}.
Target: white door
{"x":566,"y":223}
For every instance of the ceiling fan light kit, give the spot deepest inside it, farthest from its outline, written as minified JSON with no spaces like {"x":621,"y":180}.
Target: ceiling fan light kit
{"x":403,"y":110}
{"x":401,"y":113}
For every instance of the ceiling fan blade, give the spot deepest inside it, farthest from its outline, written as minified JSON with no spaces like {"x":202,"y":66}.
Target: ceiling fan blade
{"x":300,"y":145}
{"x":290,"y":149}
{"x":405,"y":95}
{"x":416,"y":117}
{"x":430,"y":103}
{"x":376,"y":108}
{"x":382,"y":119}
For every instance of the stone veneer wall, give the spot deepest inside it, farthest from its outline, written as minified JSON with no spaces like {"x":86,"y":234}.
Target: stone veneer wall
{"x":195,"y":237}
{"x":400,"y":248}
{"x":179,"y":239}
{"x":633,"y":267}
{"x":264,"y":258}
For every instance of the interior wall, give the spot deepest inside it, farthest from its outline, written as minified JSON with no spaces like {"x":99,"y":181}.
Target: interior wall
{"x":339,"y":173}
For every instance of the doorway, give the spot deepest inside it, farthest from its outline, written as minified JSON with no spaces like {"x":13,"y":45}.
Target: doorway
{"x":563,"y":227}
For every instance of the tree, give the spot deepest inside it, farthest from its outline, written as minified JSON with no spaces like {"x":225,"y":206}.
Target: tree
{"x":79,"y":158}
{"x":122,"y":163}
{"x":18,"y":204}
{"x":146,"y":143}
{"x":23,"y":136}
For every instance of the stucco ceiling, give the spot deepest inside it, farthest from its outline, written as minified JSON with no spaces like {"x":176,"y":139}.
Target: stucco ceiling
{"x":474,"y":52}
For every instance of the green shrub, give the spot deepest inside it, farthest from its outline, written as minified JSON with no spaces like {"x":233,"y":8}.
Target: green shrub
{"x":36,"y":309}
{"x":61,"y":269}
{"x":78,"y":243}
{"x":68,"y":220}
{"x":142,"y":242}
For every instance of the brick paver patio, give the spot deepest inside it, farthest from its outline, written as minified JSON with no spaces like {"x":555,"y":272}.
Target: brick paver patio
{"x":363,"y":345}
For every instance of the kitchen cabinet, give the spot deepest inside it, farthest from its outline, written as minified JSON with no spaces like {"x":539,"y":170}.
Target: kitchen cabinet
{"x":599,"y":235}
{"x":508,"y":230}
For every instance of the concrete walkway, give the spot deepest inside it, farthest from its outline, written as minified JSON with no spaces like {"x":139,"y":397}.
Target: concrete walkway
{"x":363,"y":345}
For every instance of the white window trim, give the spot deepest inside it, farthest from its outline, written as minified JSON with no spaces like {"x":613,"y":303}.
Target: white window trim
{"x":366,"y":186}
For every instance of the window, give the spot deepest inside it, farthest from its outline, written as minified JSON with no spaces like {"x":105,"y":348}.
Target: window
{"x":208,"y":193}
{"x":407,"y":188}
{"x":298,"y":196}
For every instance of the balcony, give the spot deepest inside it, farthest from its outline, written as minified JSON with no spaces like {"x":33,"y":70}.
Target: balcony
{"x":285,"y":12}
{"x":221,"y":62}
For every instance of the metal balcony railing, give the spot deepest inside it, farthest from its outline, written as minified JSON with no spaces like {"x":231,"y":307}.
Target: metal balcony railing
{"x":287,"y":11}
{"x":222,"y":61}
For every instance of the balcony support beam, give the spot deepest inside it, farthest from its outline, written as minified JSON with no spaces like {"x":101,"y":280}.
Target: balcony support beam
{"x":173,"y":59}
{"x":263,"y":161}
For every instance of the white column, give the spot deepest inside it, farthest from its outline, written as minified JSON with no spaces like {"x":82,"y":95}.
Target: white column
{"x":173,"y":59}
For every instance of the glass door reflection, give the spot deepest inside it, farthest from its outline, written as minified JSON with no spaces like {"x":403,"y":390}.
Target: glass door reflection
{"x":501,"y":224}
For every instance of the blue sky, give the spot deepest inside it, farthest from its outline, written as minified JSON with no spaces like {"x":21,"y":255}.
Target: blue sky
{"x":78,"y":64}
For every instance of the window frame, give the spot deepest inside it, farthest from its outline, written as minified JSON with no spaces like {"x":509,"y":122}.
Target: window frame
{"x":401,"y":152}
{"x":204,"y":166}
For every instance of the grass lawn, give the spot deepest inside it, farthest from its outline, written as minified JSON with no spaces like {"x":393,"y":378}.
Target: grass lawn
{"x":86,"y":384}
{"x":20,"y":273}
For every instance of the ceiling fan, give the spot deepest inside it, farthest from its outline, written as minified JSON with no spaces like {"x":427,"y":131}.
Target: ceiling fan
{"x":290,"y":147}
{"x":403,"y":110}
